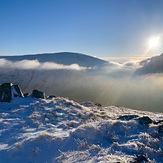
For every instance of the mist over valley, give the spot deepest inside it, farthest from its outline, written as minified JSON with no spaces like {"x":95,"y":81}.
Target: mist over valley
{"x":134,"y":84}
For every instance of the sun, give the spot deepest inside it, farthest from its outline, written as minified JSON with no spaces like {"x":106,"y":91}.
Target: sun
{"x":153,"y":42}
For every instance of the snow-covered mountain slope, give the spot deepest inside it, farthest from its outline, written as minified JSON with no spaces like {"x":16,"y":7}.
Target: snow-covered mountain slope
{"x":60,"y":130}
{"x":65,"y":58}
{"x":62,"y":74}
{"x":151,"y":65}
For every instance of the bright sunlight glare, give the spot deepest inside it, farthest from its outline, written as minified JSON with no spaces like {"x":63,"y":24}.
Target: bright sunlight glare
{"x":153,"y":42}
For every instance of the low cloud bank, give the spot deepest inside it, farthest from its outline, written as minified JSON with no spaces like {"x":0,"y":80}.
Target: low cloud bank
{"x":35,"y":64}
{"x":112,"y":85}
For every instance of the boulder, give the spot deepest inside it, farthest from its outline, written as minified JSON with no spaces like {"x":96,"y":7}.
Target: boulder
{"x":16,"y":91}
{"x":38,"y":94}
{"x":145,"y":120}
{"x":8,"y":91}
{"x":51,"y":96}
{"x":158,"y":122}
{"x":5,"y":92}
{"x":160,"y":129}
{"x":90,"y":104}
{"x":140,"y":158}
{"x":26,"y":94}
{"x":127,"y":117}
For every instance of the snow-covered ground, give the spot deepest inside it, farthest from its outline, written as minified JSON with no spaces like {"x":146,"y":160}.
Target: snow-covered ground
{"x":60,"y":130}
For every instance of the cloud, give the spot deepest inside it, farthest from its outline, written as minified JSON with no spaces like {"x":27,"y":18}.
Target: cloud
{"x":132,"y":63}
{"x":124,"y":59}
{"x":35,"y":64}
{"x":115,"y":84}
{"x":119,"y":70}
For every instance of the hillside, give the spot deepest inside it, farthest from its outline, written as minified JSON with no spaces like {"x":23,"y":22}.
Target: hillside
{"x":60,"y":130}
{"x":66,"y":58}
{"x":152,"y":65}
{"x":63,"y":74}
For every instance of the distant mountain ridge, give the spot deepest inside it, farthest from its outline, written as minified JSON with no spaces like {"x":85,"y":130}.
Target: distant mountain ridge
{"x":72,"y":83}
{"x":66,"y":58}
{"x":151,"y":65}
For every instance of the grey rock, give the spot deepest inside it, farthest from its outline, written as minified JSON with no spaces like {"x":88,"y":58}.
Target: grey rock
{"x":38,"y":94}
{"x":8,"y":91}
{"x":145,"y":120}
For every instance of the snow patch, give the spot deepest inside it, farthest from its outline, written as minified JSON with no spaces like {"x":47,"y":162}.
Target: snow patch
{"x":61,"y":130}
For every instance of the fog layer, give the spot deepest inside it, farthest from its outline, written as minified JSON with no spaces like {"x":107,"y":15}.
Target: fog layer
{"x":117,"y":84}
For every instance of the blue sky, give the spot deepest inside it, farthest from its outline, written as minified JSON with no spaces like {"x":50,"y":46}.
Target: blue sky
{"x":99,"y":28}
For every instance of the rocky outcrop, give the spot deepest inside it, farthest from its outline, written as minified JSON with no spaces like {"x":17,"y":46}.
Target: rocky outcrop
{"x":145,"y":121}
{"x":8,"y":91}
{"x":38,"y":94}
{"x":140,"y":158}
{"x":127,"y":117}
{"x":90,"y":104}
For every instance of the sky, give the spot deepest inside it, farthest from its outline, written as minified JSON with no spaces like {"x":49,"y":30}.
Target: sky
{"x":102,"y":28}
